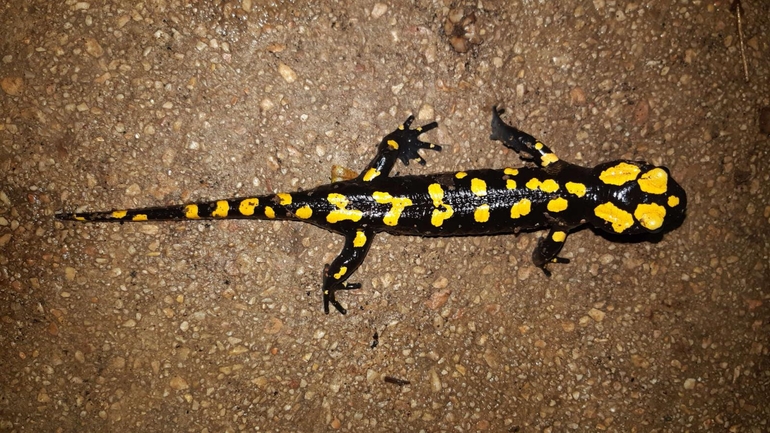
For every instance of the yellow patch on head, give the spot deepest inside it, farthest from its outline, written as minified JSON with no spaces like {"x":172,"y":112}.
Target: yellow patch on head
{"x":576,"y":188}
{"x":191,"y":211}
{"x":436,"y":193}
{"x":654,"y":181}
{"x":341,"y":213}
{"x":619,"y":174}
{"x":360,"y":239}
{"x":460,"y":174}
{"x":247,"y":205}
{"x":223,"y":207}
{"x":398,"y":204}
{"x":511,"y":171}
{"x":481,"y":214}
{"x":559,"y":236}
{"x":538,"y":145}
{"x":343,"y":270}
{"x":549,"y":158}
{"x":510,"y":184}
{"x":673,"y":201}
{"x":521,"y":208}
{"x":118,"y":214}
{"x":139,"y":217}
{"x":620,"y":219}
{"x":650,"y":216}
{"x":371,"y":174}
{"x":304,"y":212}
{"x":269,"y":212}
{"x":392,"y":144}
{"x":557,"y":205}
{"x":284,"y":199}
{"x":479,"y":187}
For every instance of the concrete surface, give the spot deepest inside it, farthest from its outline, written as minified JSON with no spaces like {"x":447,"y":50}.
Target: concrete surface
{"x":217,"y":326}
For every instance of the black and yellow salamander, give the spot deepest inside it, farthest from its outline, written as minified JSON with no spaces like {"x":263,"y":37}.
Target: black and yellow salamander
{"x":620,"y":197}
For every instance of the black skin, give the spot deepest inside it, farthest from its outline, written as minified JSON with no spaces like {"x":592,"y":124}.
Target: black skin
{"x":538,"y":196}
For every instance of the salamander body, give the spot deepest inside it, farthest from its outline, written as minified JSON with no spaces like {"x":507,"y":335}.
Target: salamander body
{"x":620,"y":197}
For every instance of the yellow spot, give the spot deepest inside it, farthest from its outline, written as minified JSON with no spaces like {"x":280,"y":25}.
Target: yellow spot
{"x":247,"y":206}
{"x":481,"y":214}
{"x":538,"y":145}
{"x":479,"y":187}
{"x":654,"y":181}
{"x":549,"y":185}
{"x":620,"y":219}
{"x":397,"y":206}
{"x":79,"y":218}
{"x":521,"y":208}
{"x":338,"y":200}
{"x":343,"y":270}
{"x":191,"y":211}
{"x":436,"y":194}
{"x":119,"y":214}
{"x":510,"y":184}
{"x":304,"y":212}
{"x":139,"y":217}
{"x":443,"y":211}
{"x":511,"y":171}
{"x":371,"y":174}
{"x":461,"y":174}
{"x":341,"y":214}
{"x":439,"y":215}
{"x":285,"y":199}
{"x":576,"y":188}
{"x":673,"y":201}
{"x":557,"y":205}
{"x":360,"y":239}
{"x":619,"y":174}
{"x":221,"y":210}
{"x":548,"y":158}
{"x":392,"y":143}
{"x":269,"y":212}
{"x":650,"y":216}
{"x":559,"y":236}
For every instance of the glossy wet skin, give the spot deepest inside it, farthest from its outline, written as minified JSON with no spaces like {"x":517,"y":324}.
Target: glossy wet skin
{"x":620,"y":197}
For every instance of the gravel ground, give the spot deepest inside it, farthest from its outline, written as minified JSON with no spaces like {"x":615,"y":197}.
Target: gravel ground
{"x":218,"y":326}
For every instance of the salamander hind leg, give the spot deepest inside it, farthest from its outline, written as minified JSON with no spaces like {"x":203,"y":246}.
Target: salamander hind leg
{"x":528,"y":148}
{"x":403,"y":144}
{"x":548,"y":247}
{"x":350,"y":258}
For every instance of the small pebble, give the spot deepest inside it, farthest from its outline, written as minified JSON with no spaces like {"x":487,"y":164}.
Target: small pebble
{"x":689,"y":383}
{"x":597,"y":315}
{"x":12,"y":85}
{"x":379,"y":10}
{"x":178,"y":383}
{"x":287,"y":73}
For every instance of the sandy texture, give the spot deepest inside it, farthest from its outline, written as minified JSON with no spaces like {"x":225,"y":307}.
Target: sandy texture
{"x":218,"y":326}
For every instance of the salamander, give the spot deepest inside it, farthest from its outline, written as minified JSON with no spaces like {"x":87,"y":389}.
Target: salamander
{"x":621,"y":197}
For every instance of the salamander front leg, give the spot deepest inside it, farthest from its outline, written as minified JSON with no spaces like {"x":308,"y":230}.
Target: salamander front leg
{"x":548,"y":248}
{"x":403,"y":144}
{"x":528,"y":148}
{"x":353,"y":253}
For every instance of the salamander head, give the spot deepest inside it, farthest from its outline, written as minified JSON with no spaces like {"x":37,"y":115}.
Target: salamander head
{"x":635,"y":197}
